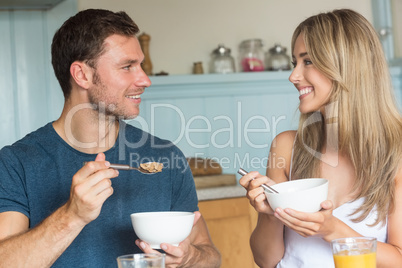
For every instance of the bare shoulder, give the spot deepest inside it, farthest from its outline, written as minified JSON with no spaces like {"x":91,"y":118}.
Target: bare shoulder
{"x":283,"y":141}
{"x":11,"y":223}
{"x":395,"y":216}
{"x":280,"y":155}
{"x":398,"y":187}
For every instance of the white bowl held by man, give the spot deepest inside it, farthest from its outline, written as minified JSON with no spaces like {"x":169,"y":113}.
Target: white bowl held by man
{"x":162,"y":227}
{"x":305,"y":195}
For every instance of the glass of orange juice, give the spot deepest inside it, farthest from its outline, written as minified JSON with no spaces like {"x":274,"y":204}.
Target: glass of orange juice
{"x":352,"y":252}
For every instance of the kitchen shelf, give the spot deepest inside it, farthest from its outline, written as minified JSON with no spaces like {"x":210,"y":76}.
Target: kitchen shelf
{"x":208,"y":85}
{"x":201,"y":85}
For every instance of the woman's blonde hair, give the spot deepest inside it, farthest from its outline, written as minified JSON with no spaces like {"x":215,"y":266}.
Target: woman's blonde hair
{"x":344,"y":46}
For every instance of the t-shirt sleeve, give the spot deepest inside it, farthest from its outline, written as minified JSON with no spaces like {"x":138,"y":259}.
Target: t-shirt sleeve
{"x":184,"y":195}
{"x":13,"y":195}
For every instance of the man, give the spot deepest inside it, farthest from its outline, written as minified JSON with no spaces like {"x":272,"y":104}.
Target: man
{"x":56,"y":212}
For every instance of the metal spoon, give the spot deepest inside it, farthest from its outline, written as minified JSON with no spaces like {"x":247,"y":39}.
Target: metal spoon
{"x":266,"y":187}
{"x":127,"y":167}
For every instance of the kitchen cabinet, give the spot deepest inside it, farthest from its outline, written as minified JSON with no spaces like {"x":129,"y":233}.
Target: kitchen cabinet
{"x":230,"y":222}
{"x":29,"y":4}
{"x":231,"y":118}
{"x":387,"y":21}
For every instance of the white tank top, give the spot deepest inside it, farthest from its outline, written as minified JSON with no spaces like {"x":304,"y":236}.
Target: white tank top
{"x":314,"y":252}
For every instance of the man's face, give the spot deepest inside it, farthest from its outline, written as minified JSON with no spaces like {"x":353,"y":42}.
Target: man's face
{"x":119,"y":80}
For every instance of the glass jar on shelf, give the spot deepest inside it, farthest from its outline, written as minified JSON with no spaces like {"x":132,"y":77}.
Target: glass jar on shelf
{"x":276,"y":59}
{"x":252,"y":55}
{"x":222,"y":62}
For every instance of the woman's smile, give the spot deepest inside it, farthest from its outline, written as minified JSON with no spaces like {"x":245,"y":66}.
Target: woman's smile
{"x":303,"y":92}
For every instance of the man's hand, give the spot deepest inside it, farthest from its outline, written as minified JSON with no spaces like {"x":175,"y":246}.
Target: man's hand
{"x":90,"y":188}
{"x":196,"y":250}
{"x":43,"y":244}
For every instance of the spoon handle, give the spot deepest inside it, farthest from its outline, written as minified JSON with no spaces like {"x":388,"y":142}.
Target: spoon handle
{"x":266,"y":187}
{"x":119,"y":166}
{"x":128,"y":167}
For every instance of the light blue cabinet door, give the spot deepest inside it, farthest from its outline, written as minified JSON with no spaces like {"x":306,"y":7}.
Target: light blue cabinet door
{"x":8,"y":122}
{"x":30,"y":66}
{"x":29,"y":93}
{"x":229,"y":118}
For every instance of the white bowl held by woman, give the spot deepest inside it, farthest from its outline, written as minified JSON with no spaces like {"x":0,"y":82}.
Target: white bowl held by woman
{"x":303,"y":195}
{"x":162,"y":227}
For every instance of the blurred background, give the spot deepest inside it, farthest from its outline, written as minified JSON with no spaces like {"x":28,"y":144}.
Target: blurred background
{"x":227,"y":119}
{"x":182,"y":32}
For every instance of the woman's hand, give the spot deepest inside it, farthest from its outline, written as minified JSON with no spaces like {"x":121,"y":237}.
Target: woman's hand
{"x":321,"y":223}
{"x":255,"y":193}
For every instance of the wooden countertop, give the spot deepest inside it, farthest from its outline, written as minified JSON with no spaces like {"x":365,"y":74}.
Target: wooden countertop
{"x":220,"y":192}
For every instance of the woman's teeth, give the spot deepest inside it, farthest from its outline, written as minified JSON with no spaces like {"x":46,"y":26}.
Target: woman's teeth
{"x":305,"y":91}
{"x":133,"y":97}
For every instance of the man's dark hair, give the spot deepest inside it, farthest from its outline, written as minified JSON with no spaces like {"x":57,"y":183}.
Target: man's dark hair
{"x":81,"y":38}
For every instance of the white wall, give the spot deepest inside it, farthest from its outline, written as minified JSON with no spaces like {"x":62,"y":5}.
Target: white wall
{"x":186,"y":31}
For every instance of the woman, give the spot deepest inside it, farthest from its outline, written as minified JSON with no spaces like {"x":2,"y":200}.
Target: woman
{"x":350,"y":132}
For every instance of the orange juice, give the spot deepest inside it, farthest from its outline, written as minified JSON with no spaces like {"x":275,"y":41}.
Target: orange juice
{"x":365,"y":260}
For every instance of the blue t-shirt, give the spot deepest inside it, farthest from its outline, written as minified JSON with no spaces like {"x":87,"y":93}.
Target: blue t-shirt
{"x":35,"y":179}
